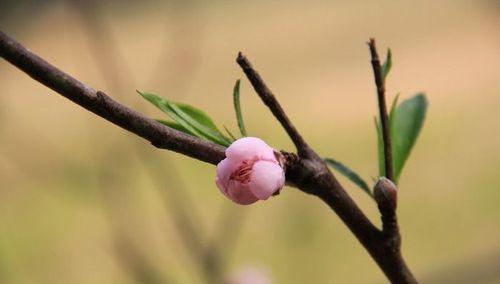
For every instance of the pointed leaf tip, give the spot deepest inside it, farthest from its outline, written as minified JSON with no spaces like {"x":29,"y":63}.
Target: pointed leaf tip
{"x":406,"y":121}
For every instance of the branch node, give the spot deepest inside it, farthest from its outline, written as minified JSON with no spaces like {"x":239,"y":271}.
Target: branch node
{"x":386,"y":195}
{"x":290,"y":160}
{"x":101,"y":98}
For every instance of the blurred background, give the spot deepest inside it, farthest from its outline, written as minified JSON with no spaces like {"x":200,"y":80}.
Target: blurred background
{"x":83,"y":201}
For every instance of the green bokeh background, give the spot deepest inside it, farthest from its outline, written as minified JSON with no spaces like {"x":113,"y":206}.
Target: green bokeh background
{"x":72,"y":185}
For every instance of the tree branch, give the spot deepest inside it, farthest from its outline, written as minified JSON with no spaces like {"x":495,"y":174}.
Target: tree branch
{"x":105,"y":107}
{"x":270,"y":101}
{"x":385,"y":191}
{"x":379,"y":81}
{"x":307,"y":171}
{"x":310,"y":174}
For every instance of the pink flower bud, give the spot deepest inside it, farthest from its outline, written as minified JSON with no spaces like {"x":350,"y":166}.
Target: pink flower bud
{"x":250,"y":171}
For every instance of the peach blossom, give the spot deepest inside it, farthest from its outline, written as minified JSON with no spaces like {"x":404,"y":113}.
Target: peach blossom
{"x":250,"y":171}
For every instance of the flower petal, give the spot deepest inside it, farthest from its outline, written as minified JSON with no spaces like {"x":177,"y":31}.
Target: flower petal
{"x":266,"y":179}
{"x":222,"y":186}
{"x":240,"y":193}
{"x":225,"y":168}
{"x":250,"y":148}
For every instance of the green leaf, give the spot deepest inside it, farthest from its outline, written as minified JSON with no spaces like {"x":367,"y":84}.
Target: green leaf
{"x":159,"y":102}
{"x":408,"y":119}
{"x":392,"y":113}
{"x":386,"y":67}
{"x":173,"y":125}
{"x":350,"y":174}
{"x":380,"y":148}
{"x":196,"y":114}
{"x":200,"y":121}
{"x":237,"y":108}
{"x":405,"y":121}
{"x":192,"y":120}
{"x":163,"y":105}
{"x":230,"y":134}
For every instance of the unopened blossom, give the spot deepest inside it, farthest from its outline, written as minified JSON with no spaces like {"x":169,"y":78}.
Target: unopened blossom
{"x":250,"y":171}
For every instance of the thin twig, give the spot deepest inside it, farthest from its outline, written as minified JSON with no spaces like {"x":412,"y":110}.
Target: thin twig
{"x":386,"y":189}
{"x":384,"y":120}
{"x":270,"y":101}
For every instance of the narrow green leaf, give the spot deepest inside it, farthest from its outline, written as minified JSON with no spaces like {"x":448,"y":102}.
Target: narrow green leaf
{"x":408,"y":119}
{"x":207,"y":124}
{"x":392,"y":113}
{"x":350,"y":174}
{"x":163,"y":105}
{"x":197,"y":115}
{"x":200,"y":121}
{"x":386,"y":67}
{"x":157,"y":101}
{"x":237,"y":108}
{"x":192,"y":120}
{"x":380,"y":148}
{"x":230,"y":134}
{"x":173,"y":125}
